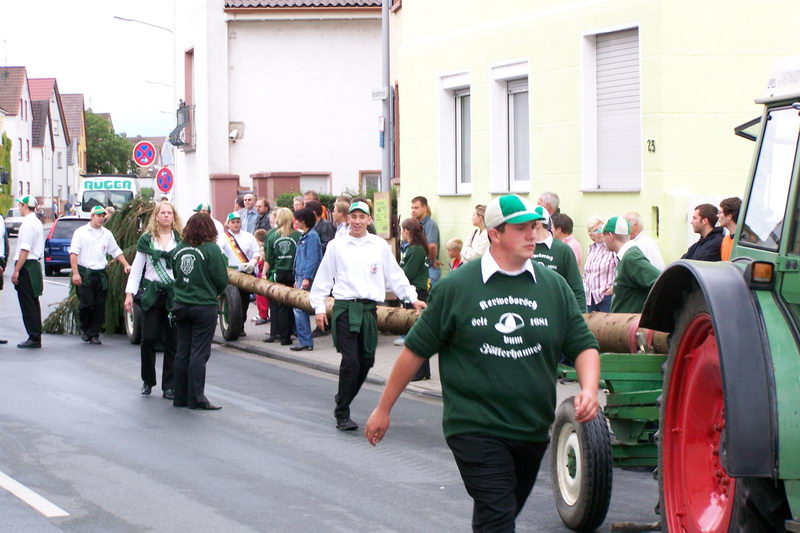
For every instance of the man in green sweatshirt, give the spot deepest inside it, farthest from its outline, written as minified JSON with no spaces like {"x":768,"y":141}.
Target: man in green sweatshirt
{"x":635,"y":274}
{"x":557,"y":256}
{"x":499,"y":326}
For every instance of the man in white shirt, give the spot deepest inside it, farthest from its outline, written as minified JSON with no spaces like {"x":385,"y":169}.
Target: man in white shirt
{"x":241,"y":248}
{"x":357,"y":269}
{"x":206,"y":210}
{"x":27,"y":276}
{"x":645,"y":242}
{"x":88,"y":255}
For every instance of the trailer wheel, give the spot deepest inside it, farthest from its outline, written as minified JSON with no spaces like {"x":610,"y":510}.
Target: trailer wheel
{"x":231,"y":320}
{"x":696,"y":493}
{"x":581,"y":468}
{"x":133,"y":324}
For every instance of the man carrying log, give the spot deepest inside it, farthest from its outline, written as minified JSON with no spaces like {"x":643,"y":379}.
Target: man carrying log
{"x":357,"y":268}
{"x":499,"y":326}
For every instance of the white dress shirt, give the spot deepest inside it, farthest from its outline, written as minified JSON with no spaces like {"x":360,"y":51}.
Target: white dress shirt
{"x":359,"y":268}
{"x":143,"y":263}
{"x":248,"y":244}
{"x":92,"y":245}
{"x":30,"y":237}
{"x":2,"y":236}
{"x":649,"y":248}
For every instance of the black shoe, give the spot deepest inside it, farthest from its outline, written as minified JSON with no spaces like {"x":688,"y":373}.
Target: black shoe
{"x":169,"y":394}
{"x":346,"y":424}
{"x":207,"y":406}
{"x":319,"y":333}
{"x":3,"y":341}
{"x":421,"y":378}
{"x":286,"y":343}
{"x":85,"y":338}
{"x":300,"y":348}
{"x":271,"y":338}
{"x":30,"y":343}
{"x":95,"y":340}
{"x":243,"y":334}
{"x":146,"y":389}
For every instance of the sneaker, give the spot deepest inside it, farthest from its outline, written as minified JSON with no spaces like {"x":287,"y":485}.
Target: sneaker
{"x":258,"y":321}
{"x":399,"y":341}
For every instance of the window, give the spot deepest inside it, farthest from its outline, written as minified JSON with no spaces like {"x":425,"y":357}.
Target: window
{"x":28,"y":149}
{"x":369,"y":180}
{"x":315,"y":182}
{"x":59,"y":162}
{"x":19,"y":141}
{"x":55,"y":127}
{"x":455,"y":135}
{"x":612,"y":145}
{"x":463,"y":152}
{"x":509,"y":138}
{"x":22,"y":109}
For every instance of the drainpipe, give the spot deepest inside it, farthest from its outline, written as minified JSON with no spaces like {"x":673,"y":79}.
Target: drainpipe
{"x":386,"y":163}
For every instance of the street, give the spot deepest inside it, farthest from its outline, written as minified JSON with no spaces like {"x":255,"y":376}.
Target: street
{"x":76,"y":431}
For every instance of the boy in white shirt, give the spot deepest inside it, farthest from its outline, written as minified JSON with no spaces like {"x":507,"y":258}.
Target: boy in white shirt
{"x":91,"y":244}
{"x":27,"y":276}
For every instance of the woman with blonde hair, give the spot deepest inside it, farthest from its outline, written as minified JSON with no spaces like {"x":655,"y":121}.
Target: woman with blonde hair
{"x":279,"y":251}
{"x":600,"y":269}
{"x":478,"y":243}
{"x":150,"y":283}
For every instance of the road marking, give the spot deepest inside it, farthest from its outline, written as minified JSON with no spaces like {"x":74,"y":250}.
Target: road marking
{"x":57,"y":283}
{"x":45,"y":507}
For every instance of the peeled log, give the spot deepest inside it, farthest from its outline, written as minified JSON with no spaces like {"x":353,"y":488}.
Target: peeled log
{"x":616,"y":332}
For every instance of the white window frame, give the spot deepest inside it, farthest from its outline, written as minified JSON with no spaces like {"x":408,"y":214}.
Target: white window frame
{"x":451,"y":86}
{"x":462,"y":185}
{"x":589,"y":177}
{"x":505,"y":77}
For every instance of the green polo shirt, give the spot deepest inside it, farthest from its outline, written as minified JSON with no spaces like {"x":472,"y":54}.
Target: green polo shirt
{"x":499,"y":344}
{"x":560,"y":258}
{"x":635,"y":276}
{"x":414,"y":262}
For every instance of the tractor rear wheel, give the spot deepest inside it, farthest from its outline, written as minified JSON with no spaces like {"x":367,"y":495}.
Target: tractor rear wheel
{"x":580,"y":468}
{"x":696,"y":493}
{"x":231,"y":319}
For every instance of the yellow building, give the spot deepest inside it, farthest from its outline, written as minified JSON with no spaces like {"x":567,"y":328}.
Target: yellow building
{"x":614,"y":105}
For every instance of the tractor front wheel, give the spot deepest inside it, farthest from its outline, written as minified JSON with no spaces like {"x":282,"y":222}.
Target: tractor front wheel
{"x":581,"y":468}
{"x":231,"y":319}
{"x":696,"y":493}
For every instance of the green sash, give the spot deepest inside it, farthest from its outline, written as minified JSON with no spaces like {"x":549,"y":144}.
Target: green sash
{"x":362,"y":319}
{"x":150,"y":289}
{"x":34,"y":269}
{"x":87,"y":274}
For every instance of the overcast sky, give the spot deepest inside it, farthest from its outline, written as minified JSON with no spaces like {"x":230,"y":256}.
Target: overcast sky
{"x":122,"y":68}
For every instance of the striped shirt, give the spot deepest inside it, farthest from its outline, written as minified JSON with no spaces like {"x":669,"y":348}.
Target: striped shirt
{"x":599,"y":272}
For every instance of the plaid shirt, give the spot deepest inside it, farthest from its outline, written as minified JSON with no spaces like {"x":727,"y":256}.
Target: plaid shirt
{"x":599,"y":272}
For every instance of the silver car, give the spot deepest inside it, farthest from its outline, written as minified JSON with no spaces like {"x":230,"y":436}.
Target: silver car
{"x":13,"y":221}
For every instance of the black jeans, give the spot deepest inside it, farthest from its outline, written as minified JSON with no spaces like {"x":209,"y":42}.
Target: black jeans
{"x":424,"y":370}
{"x":29,"y":305}
{"x":92,"y":310}
{"x":156,"y":327}
{"x":498,"y":474}
{"x":195,"y":325}
{"x":354,"y":367}
{"x":281,"y":315}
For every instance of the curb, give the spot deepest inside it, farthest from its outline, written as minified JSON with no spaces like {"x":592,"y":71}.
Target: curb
{"x":272,"y":353}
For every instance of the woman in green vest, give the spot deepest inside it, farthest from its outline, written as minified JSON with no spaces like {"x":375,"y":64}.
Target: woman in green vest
{"x":201,"y":275}
{"x":280,"y":249}
{"x":415,"y":264}
{"x":151,"y":282}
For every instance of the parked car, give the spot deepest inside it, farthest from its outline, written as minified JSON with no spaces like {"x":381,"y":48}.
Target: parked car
{"x":13,"y":220}
{"x":57,"y":242}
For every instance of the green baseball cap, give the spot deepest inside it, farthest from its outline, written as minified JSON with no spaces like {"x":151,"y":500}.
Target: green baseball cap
{"x":29,"y":200}
{"x":360,"y":206}
{"x":617,"y":225}
{"x":98,"y":210}
{"x":233,"y":216}
{"x":510,"y":209}
{"x":202,"y":207}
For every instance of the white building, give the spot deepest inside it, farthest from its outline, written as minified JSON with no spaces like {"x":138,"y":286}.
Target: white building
{"x":15,"y":98}
{"x":46,"y":89}
{"x":278,"y":93}
{"x":42,"y":142}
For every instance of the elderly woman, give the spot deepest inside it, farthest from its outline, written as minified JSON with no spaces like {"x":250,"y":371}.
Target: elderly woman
{"x":151,"y":279}
{"x":478,"y":243}
{"x":201,"y":276}
{"x":600,"y":269}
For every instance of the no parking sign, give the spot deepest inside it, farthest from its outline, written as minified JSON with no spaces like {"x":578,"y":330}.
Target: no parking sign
{"x":164,"y":179}
{"x":144,"y":153}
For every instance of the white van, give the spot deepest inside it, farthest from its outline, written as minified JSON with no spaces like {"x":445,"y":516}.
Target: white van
{"x":108,"y":190}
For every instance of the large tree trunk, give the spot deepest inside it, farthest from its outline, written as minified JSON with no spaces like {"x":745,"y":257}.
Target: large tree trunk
{"x":616,"y":332}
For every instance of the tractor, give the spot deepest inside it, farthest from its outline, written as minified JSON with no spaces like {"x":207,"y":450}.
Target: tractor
{"x":718,"y":416}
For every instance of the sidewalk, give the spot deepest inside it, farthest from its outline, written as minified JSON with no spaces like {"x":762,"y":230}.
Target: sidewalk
{"x":325,"y":358}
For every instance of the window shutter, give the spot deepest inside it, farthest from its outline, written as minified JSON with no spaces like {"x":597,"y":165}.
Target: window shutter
{"x":618,"y":110}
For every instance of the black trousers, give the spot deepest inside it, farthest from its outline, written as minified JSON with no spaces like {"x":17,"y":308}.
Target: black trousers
{"x":195,"y":325}
{"x":354,"y":367}
{"x":244,"y":296}
{"x":29,"y":305}
{"x":281,"y":315}
{"x":425,"y":370}
{"x":498,"y":474}
{"x":156,"y":326}
{"x":92,"y":309}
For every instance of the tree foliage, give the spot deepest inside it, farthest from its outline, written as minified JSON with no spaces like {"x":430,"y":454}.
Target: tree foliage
{"x":7,"y":190}
{"x":106,"y":152}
